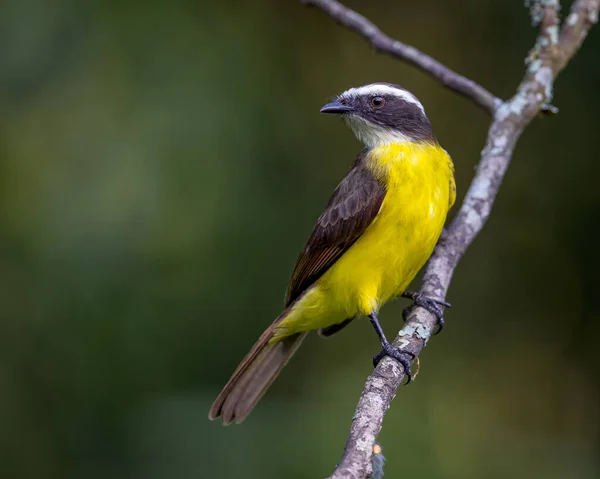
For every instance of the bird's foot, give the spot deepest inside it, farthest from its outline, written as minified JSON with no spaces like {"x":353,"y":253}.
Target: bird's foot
{"x":434,"y":306}
{"x":403,"y":357}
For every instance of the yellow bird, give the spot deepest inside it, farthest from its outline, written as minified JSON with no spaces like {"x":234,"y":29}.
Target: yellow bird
{"x":377,"y":230}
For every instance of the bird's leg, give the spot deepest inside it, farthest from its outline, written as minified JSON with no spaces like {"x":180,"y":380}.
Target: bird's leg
{"x":403,"y":357}
{"x":430,"y":304}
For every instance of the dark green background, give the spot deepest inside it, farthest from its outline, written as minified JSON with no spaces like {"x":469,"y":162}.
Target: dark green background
{"x":161,"y":165}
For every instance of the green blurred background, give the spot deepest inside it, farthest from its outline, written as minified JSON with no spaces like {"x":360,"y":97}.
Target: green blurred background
{"x":161,"y":165}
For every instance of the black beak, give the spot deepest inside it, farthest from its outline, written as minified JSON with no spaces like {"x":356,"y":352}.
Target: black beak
{"x":336,"y":107}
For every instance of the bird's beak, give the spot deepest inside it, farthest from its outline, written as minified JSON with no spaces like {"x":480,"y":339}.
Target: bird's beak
{"x":336,"y":107}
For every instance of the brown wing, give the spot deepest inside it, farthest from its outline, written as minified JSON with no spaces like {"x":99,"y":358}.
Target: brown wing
{"x":350,"y":210}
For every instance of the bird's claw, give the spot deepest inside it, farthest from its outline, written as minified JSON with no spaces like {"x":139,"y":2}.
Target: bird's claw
{"x":434,"y":306}
{"x":403,"y":357}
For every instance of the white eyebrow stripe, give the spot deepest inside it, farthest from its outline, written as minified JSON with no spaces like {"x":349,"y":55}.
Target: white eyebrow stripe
{"x":379,"y":89}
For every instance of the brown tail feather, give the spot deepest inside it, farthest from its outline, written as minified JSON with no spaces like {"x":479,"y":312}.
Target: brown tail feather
{"x":254,"y":375}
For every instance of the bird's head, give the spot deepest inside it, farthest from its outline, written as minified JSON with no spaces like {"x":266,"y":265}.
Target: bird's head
{"x":382,"y":113}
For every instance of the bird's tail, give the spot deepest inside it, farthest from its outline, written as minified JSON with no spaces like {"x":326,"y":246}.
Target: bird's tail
{"x":254,"y":375}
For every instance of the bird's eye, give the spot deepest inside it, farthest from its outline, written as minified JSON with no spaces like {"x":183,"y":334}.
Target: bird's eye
{"x":377,"y":101}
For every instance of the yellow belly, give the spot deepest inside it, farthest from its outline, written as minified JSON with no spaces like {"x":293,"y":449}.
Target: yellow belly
{"x":385,"y":259}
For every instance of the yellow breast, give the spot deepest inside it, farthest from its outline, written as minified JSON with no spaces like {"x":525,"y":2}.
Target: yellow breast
{"x":419,"y":183}
{"x":420,"y":189}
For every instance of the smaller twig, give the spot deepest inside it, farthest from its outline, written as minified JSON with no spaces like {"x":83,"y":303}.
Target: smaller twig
{"x":584,"y":14}
{"x":383,"y":43}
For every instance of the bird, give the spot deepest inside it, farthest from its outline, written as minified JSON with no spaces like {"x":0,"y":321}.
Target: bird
{"x":375,"y":233}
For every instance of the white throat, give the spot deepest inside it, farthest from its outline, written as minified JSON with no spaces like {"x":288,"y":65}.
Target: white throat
{"x":372,"y":135}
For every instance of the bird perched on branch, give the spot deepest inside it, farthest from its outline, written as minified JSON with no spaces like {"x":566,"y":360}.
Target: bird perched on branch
{"x":377,"y":230}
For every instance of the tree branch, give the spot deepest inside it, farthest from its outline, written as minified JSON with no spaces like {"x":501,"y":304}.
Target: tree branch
{"x":554,"y":47}
{"x":381,"y":42}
